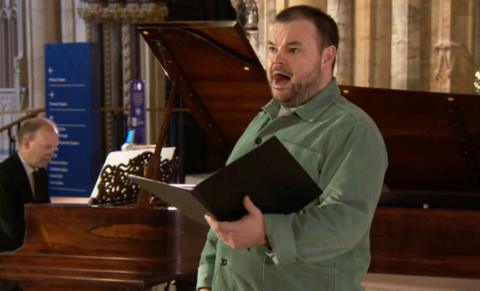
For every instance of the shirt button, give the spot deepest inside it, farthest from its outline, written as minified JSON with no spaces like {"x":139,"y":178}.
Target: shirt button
{"x":258,"y":140}
{"x":223,"y":262}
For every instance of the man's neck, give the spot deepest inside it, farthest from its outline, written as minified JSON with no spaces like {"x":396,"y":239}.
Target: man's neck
{"x":27,"y":167}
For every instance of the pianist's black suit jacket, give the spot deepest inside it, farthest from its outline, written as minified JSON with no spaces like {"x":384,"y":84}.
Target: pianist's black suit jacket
{"x":15,"y":191}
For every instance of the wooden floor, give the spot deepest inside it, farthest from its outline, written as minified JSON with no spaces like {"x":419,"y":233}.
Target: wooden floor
{"x":386,"y":282}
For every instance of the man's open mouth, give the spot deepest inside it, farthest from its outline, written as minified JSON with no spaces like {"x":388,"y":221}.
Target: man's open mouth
{"x":280,"y":78}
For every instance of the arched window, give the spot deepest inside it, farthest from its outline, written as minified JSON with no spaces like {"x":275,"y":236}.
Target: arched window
{"x":9,"y":81}
{"x":8,"y":42}
{"x":4,"y":41}
{"x":12,"y":46}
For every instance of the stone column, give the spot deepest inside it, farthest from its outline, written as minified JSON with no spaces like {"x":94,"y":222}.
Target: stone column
{"x":73,"y":26}
{"x":476,"y":34}
{"x":151,"y":71}
{"x":406,"y":33}
{"x":68,"y":20}
{"x":322,"y":4}
{"x":280,"y":5}
{"x":43,"y":26}
{"x":463,"y":33}
{"x":80,"y":25}
{"x":342,"y":12}
{"x":148,"y":68}
{"x":372,"y":43}
{"x":363,"y":75}
{"x":267,"y":9}
{"x":119,"y":43}
{"x":382,"y":42}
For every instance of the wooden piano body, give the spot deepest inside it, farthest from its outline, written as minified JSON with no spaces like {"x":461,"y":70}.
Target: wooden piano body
{"x":432,"y":139}
{"x":428,"y":219}
{"x":71,"y":247}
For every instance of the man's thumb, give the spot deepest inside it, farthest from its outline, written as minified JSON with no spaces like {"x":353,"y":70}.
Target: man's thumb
{"x":251,"y":208}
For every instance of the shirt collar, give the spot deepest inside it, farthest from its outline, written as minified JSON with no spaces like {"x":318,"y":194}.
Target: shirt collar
{"x":27,"y":168}
{"x":313,"y":108}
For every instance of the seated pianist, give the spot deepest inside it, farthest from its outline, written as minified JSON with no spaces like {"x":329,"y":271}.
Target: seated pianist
{"x":23,"y":178}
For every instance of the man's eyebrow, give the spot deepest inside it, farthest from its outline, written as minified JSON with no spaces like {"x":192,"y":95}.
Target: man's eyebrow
{"x":293,"y":42}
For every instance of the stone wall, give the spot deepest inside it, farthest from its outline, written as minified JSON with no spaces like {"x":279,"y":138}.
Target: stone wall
{"x":426,"y":45}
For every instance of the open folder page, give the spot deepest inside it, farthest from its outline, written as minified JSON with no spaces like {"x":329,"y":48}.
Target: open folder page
{"x":269,"y":174}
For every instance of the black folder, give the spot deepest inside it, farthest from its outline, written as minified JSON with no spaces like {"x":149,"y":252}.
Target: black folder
{"x":269,"y":174}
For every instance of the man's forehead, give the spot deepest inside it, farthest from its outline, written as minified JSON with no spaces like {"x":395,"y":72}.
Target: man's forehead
{"x":292,"y":31}
{"x":44,"y":132}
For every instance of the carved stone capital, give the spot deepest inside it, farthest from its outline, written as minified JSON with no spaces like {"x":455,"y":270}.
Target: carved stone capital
{"x":129,"y":12}
{"x":152,"y":12}
{"x":91,"y":12}
{"x":116,"y":12}
{"x":112,"y":12}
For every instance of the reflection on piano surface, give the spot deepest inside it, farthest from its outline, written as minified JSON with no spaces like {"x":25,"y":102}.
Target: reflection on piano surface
{"x":426,"y":224}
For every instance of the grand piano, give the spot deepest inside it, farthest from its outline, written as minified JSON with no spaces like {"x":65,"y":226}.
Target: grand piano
{"x":426,"y":223}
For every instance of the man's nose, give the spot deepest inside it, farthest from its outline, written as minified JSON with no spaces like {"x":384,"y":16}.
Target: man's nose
{"x":278,"y":57}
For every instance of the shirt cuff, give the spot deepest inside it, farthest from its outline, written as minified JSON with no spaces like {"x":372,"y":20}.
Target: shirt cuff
{"x":204,"y":276}
{"x":281,"y":239}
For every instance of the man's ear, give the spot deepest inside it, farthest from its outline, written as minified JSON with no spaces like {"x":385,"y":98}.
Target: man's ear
{"x":26,"y":142}
{"x":328,"y":56}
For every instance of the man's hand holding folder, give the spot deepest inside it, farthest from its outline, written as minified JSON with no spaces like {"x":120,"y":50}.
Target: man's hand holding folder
{"x":248,"y":231}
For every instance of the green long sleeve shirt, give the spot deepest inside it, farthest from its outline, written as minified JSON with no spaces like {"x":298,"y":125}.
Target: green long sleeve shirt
{"x":326,"y":245}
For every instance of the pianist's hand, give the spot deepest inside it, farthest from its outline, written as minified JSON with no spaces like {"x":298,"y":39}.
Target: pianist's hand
{"x":249,"y":231}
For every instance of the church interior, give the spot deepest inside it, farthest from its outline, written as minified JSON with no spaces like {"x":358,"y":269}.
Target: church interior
{"x":156,"y":94}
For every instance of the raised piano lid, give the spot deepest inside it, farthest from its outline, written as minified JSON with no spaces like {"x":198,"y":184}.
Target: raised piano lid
{"x":220,"y":78}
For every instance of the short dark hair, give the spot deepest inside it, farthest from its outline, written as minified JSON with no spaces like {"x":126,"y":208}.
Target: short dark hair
{"x":30,"y":127}
{"x":327,"y":28}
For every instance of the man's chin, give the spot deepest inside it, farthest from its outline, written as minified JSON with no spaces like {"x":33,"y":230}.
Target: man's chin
{"x":281,"y":96}
{"x":287,"y":101}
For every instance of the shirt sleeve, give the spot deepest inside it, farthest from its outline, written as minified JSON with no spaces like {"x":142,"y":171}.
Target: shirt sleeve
{"x":352,"y":178}
{"x":207,"y":261}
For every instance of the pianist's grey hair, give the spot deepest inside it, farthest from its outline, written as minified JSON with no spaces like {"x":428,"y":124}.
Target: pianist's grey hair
{"x":30,"y":126}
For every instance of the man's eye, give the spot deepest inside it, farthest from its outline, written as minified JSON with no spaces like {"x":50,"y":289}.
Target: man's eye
{"x":294,"y":50}
{"x":272,"y":49}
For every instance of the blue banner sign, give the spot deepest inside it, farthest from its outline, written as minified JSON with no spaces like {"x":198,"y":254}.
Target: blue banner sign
{"x":137,"y":110}
{"x":72,"y":100}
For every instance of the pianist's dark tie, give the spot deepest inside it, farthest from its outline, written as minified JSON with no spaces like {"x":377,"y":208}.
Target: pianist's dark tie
{"x":40,"y":184}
